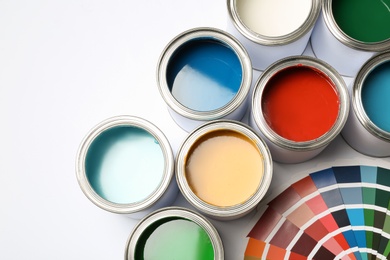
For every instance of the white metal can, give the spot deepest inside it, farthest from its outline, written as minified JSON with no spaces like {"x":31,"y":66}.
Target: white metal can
{"x":272,"y":29}
{"x":204,"y":74}
{"x":299,"y":105}
{"x":348,"y":33}
{"x":174,"y":233}
{"x":368,"y":126}
{"x":224,"y":169}
{"x":125,"y":165}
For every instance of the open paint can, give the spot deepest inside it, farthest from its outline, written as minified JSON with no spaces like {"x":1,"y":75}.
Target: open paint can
{"x":272,"y":29}
{"x":224,"y":169}
{"x":299,"y":105}
{"x":125,"y":165}
{"x":174,"y":233}
{"x":350,"y":32}
{"x":204,"y":74}
{"x":368,"y":126}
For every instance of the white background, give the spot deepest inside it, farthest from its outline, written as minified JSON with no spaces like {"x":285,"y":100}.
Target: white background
{"x":64,"y":67}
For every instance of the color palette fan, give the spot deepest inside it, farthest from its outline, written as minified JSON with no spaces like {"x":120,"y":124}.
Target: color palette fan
{"x":337,"y":213}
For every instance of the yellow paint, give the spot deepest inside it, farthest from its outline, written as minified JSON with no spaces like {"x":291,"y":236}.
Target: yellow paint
{"x":224,"y":168}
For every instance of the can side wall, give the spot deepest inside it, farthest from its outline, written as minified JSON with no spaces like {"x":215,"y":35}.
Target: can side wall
{"x":261,"y":55}
{"x":347,"y":61}
{"x":167,"y":199}
{"x":282,"y":155}
{"x":360,"y":139}
{"x":188,"y":124}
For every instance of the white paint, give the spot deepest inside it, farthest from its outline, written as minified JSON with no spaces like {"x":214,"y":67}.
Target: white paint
{"x":273,"y":18}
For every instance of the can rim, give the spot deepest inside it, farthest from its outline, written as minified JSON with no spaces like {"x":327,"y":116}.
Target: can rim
{"x":124,"y":208}
{"x":357,"y":103}
{"x":179,"y":212}
{"x":314,"y":63}
{"x":344,"y":38}
{"x":307,"y":25}
{"x":199,"y":34}
{"x":235,"y":211}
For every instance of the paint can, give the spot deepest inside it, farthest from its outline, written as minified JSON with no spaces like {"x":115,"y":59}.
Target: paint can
{"x":125,"y":165}
{"x":204,"y":74}
{"x":224,"y":169}
{"x":299,"y":105}
{"x":174,"y":233}
{"x":349,"y":32}
{"x":368,"y":126}
{"x":272,"y":29}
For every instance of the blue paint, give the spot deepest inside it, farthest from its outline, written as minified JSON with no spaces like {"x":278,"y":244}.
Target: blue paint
{"x":376,"y":96}
{"x":124,"y":164}
{"x":204,"y":75}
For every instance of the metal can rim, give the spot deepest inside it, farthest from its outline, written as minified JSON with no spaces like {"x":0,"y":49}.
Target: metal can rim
{"x":357,"y":103}
{"x":344,"y":38}
{"x":215,"y":211}
{"x":315,"y":63}
{"x":128,"y":208}
{"x":180,"y":212}
{"x":198,"y":34}
{"x":276,"y":40}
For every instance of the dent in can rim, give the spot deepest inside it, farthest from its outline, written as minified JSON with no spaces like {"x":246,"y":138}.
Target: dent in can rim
{"x":127,"y":208}
{"x":232,"y":211}
{"x":174,"y":212}
{"x":276,"y":40}
{"x":310,"y":62}
{"x":204,"y":33}
{"x":344,"y":38}
{"x":357,"y":103}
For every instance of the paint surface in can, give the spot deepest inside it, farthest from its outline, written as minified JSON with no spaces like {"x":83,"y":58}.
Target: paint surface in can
{"x":363,"y":20}
{"x":204,"y":75}
{"x":224,"y":168}
{"x":300,"y":103}
{"x":376,"y":96}
{"x":174,"y":238}
{"x":273,"y":17}
{"x":124,"y":164}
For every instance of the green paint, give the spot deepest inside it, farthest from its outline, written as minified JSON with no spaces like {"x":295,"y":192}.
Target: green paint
{"x":174,"y":238}
{"x":363,"y":20}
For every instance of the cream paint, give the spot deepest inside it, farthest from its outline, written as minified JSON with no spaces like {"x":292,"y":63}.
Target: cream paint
{"x":224,"y":168}
{"x":273,"y":18}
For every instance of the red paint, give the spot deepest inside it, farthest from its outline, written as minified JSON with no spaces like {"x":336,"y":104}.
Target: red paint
{"x":300,"y":103}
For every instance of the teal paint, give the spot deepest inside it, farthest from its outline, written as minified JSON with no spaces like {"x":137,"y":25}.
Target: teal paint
{"x":124,"y":164}
{"x":204,"y":75}
{"x":376,"y":96}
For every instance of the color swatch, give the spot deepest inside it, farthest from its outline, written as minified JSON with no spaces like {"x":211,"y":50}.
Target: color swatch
{"x":337,"y":213}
